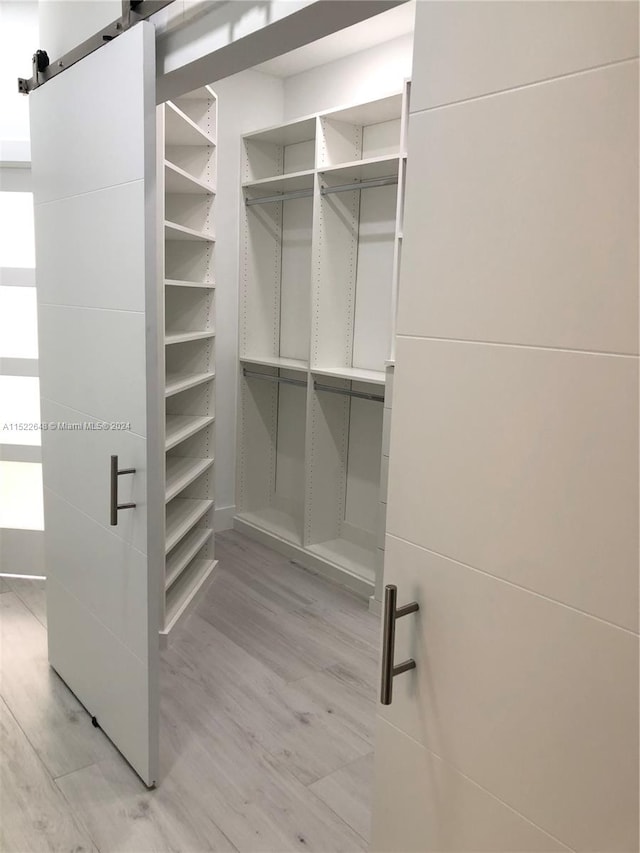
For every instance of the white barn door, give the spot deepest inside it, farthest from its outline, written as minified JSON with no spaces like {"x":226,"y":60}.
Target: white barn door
{"x":93,"y":156}
{"x":513,"y":479}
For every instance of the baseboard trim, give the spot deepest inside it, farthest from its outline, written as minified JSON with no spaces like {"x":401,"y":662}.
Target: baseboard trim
{"x":223,"y":518}
{"x":375,"y":606}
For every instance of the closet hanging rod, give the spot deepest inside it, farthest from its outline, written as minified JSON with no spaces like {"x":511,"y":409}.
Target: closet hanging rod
{"x":252,"y":374}
{"x":267,"y":199}
{"x":361,"y":185}
{"x":347,"y":392}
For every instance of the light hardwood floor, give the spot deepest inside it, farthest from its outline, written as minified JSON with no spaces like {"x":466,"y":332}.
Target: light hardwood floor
{"x":268,"y":704}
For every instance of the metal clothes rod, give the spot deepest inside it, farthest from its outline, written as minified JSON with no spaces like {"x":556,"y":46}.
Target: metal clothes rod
{"x":361,"y":185}
{"x":347,"y":392}
{"x":267,"y":199}
{"x":252,"y":374}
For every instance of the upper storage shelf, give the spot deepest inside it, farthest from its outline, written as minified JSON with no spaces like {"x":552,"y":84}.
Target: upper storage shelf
{"x":178,"y":180}
{"x":182,"y":130}
{"x":357,"y":171}
{"x":285,"y":149}
{"x":365,"y":132}
{"x":282,"y":183}
{"x":196,"y":106}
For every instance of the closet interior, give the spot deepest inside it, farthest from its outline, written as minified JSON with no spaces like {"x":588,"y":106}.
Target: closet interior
{"x":320,"y":248}
{"x":308,"y":214}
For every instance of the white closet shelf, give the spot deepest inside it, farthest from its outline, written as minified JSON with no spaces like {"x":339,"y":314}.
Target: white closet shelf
{"x":181,"y":471}
{"x":277,"y":361}
{"x":175,"y":282}
{"x":201,"y":94}
{"x":282,"y":183}
{"x":179,"y":129}
{"x":373,"y":112}
{"x":181,"y":427}
{"x":177,"y":382}
{"x":183,"y":553}
{"x":355,"y":559}
{"x":174,"y":231}
{"x":274,"y":521}
{"x":356,"y":374}
{"x":177,"y":180}
{"x":289,"y":133}
{"x":183,"y":337}
{"x":362,"y":170}
{"x":183,"y":594}
{"x":182,"y":515}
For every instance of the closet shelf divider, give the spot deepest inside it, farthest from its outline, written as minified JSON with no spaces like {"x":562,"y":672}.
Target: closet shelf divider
{"x":181,"y":130}
{"x":178,"y":180}
{"x":356,"y":374}
{"x":276,"y":361}
{"x":175,"y":231}
{"x":182,"y":337}
{"x":181,"y":471}
{"x":174,"y":282}
{"x":184,"y":592}
{"x":181,"y":427}
{"x":370,"y":168}
{"x":183,"y":381}
{"x":182,"y":515}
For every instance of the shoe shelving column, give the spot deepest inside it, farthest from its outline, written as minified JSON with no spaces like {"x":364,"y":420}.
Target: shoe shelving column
{"x":187,"y":173}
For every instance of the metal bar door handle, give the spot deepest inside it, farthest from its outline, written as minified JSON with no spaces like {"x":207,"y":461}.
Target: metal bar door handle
{"x":114,"y":505}
{"x":389,"y":669}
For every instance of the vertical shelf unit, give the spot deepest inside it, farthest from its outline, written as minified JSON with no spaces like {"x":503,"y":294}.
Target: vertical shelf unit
{"x":320,"y":252}
{"x":187,"y":178}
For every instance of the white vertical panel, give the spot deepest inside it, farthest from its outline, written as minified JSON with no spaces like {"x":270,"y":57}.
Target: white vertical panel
{"x":19,"y":405}
{"x":21,"y":496}
{"x":16,"y":230}
{"x":96,"y":175}
{"x":513,"y":483}
{"x":374,"y":277}
{"x":18,"y":322}
{"x":295,"y":285}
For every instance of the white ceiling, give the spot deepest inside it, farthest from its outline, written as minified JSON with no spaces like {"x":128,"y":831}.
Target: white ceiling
{"x":388,"y":25}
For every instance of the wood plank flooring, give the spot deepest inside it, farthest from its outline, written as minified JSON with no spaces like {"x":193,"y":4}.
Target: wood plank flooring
{"x":267,"y":716}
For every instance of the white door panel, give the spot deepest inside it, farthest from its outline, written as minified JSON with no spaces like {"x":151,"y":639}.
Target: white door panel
{"x":93,"y":361}
{"x":490,"y":47}
{"x":105,"y":574}
{"x":122,"y":697}
{"x":83,"y":137}
{"x":546,"y":291}
{"x":501,"y":459}
{"x":493,"y":694}
{"x":442,"y":811}
{"x":93,"y":152}
{"x":513,"y":465}
{"x":78,"y":470}
{"x":100,"y":278}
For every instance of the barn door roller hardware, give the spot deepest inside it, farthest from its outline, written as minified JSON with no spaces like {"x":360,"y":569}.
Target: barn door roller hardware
{"x":44,"y":69}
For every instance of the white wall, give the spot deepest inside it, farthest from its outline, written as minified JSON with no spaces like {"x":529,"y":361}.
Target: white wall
{"x":363,"y":76}
{"x":20,"y":468}
{"x":66,"y":23}
{"x":19,"y":39}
